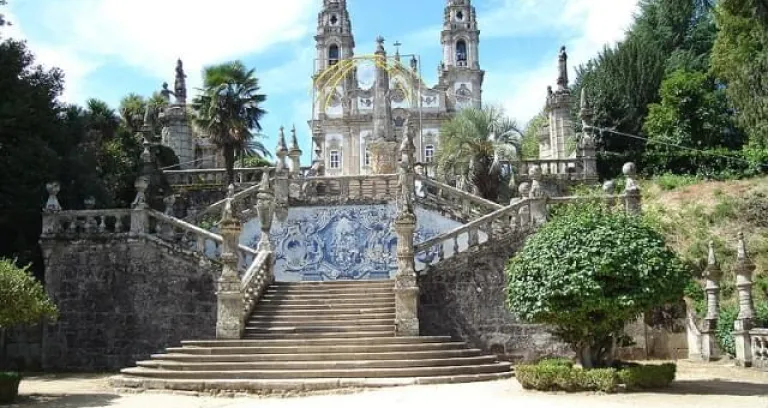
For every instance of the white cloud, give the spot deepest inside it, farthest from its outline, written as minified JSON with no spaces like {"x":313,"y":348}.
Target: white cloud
{"x":586,"y":25}
{"x":152,"y":34}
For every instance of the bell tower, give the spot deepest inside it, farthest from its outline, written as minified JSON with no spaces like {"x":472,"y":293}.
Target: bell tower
{"x":460,"y":73}
{"x":334,"y":40}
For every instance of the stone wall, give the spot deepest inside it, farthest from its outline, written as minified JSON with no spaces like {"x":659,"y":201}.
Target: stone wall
{"x":121,"y":301}
{"x":464,"y":296}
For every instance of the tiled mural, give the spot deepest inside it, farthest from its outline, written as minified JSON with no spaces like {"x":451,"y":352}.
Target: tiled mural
{"x":340,"y":242}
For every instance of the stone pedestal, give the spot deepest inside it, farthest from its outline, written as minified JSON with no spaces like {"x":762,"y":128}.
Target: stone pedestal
{"x":743,"y":342}
{"x":383,"y":157}
{"x":229,"y":301}
{"x":406,"y":285}
{"x":709,"y":349}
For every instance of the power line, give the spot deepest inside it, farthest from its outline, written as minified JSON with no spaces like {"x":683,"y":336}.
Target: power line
{"x":629,"y":135}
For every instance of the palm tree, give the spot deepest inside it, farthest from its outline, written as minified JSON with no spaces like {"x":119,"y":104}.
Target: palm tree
{"x":475,"y":144}
{"x":132,"y":111}
{"x":228,"y":110}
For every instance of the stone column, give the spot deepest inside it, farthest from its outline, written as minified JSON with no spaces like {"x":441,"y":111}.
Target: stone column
{"x":139,"y":216}
{"x":406,"y":284}
{"x":632,"y":197}
{"x":743,"y":269}
{"x":265,"y":205}
{"x":228,"y":294}
{"x":52,"y":207}
{"x":712,"y":274}
{"x":587,"y":152}
{"x":281,"y":179}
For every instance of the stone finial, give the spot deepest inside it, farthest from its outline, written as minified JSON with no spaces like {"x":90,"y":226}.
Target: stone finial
{"x":141,"y":184}
{"x":231,"y":191}
{"x":743,"y":268}
{"x":609,"y":187}
{"x":712,"y":271}
{"x":89,"y":203}
{"x":535,"y":173}
{"x":52,"y":205}
{"x":414,"y":64}
{"x":282,"y":147}
{"x":294,"y":141}
{"x":380,"y":45}
{"x":524,"y":189}
{"x":169,"y":202}
{"x":265,"y":185}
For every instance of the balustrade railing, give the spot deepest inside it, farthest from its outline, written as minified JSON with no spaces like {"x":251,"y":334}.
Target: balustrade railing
{"x":256,"y":280}
{"x":559,"y":168}
{"x":760,"y":347}
{"x":342,"y":189}
{"x":71,"y":223}
{"x":447,"y":199}
{"x":181,"y":179}
{"x":243,"y":200}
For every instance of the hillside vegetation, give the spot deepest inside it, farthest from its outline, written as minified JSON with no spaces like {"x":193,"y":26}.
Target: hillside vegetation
{"x":691,"y":212}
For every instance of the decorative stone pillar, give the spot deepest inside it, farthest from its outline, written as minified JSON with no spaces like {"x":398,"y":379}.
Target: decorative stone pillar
{"x":230,"y":299}
{"x":632,"y":197}
{"x":587,"y":152}
{"x":169,"y":202}
{"x":712,"y":274}
{"x":281,"y":179}
{"x":609,"y":190}
{"x":50,"y":211}
{"x":139,"y":216}
{"x":406,"y":284}
{"x":265,"y":205}
{"x":743,"y":269}
{"x":537,"y":193}
{"x":524,"y":213}
{"x":295,"y":154}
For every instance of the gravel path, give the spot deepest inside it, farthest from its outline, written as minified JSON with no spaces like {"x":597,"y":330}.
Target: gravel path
{"x":698,"y":385}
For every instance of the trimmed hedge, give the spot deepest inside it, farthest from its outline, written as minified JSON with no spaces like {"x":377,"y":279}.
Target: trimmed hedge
{"x":560,"y":375}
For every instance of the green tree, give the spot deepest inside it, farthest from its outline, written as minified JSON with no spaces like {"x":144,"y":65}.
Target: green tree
{"x":22,"y":298}
{"x":229,"y":110}
{"x":588,"y":273}
{"x":740,"y":58}
{"x":693,"y":112}
{"x":3,"y":21}
{"x":475,"y":143}
{"x":530,"y":141}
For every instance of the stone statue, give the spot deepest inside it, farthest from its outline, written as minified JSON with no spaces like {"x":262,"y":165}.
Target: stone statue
{"x":562,"y":80}
{"x":181,"y":83}
{"x":166,"y":93}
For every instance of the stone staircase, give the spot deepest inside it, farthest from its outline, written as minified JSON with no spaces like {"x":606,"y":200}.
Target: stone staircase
{"x":312,"y":337}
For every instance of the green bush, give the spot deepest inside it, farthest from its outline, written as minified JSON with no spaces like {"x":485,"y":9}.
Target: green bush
{"x":557,"y":375}
{"x":548,"y":377}
{"x":22,"y":297}
{"x":668,"y":181}
{"x":647,"y":376}
{"x":724,"y":331}
{"x":561,"y":362}
{"x":9,"y":376}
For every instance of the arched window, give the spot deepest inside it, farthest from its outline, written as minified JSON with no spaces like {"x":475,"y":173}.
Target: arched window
{"x":461,"y":52}
{"x":429,"y":153}
{"x":333,"y":54}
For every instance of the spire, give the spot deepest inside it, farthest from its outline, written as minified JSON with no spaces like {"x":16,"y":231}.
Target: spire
{"x":397,"y":45}
{"x":281,"y":146}
{"x":742,"y":258}
{"x":294,"y":139}
{"x":382,"y":108}
{"x":712,"y":271}
{"x":562,"y":79}
{"x":414,"y":64}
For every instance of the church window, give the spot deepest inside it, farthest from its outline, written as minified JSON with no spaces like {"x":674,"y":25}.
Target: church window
{"x":459,"y":15}
{"x":334,"y":19}
{"x":399,"y":121}
{"x":461,"y":52}
{"x":367,"y":158}
{"x":429,"y":153}
{"x":335,"y":159}
{"x":333,"y":54}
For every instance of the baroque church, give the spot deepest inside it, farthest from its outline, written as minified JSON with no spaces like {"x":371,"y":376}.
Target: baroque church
{"x":354,"y":127}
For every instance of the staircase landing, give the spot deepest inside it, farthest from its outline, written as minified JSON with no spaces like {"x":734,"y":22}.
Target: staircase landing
{"x":305,"y":337}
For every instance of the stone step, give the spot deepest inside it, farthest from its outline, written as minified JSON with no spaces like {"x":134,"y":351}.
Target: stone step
{"x":274,"y":309}
{"x":330,"y":291}
{"x":320,"y":328}
{"x":336,"y":318}
{"x":316,"y":342}
{"x":334,"y":297}
{"x":303,"y":321}
{"x":319,"y":373}
{"x":314,"y":365}
{"x":330,"y":303}
{"x":399,"y":355}
{"x":256,"y":386}
{"x":335,"y":284}
{"x":319,"y":335}
{"x":370,"y":347}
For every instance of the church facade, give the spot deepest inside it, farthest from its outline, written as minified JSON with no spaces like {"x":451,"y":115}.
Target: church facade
{"x":349,"y":119}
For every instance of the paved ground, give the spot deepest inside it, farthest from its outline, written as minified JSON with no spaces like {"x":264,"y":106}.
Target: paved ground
{"x":697,"y":386}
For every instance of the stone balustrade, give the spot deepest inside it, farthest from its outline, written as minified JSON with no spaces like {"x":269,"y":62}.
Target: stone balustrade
{"x":73,"y":223}
{"x":257,"y":278}
{"x":760,"y":348}
{"x":343,"y":189}
{"x":451,"y":201}
{"x":200,"y":178}
{"x":563,"y":169}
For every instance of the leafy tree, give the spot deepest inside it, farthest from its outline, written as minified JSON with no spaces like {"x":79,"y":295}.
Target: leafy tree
{"x":229,"y":110}
{"x":475,"y":143}
{"x":530,"y":141}
{"x":588,"y":273}
{"x":693,"y":112}
{"x":3,"y":21}
{"x":22,"y":298}
{"x":740,"y":58}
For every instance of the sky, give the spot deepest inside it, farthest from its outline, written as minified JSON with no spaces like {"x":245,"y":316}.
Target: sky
{"x":109,"y":48}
